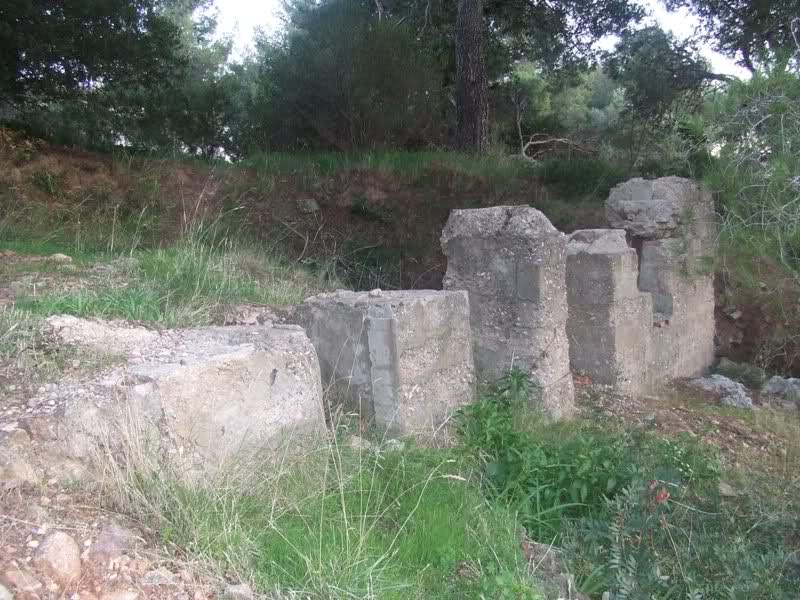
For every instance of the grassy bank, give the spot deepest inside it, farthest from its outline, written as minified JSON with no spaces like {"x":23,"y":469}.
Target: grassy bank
{"x":339,"y":521}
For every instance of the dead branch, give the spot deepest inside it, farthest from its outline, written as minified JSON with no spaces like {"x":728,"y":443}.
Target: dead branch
{"x":542,"y":139}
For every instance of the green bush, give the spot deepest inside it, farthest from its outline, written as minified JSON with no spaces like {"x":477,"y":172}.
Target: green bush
{"x":755,"y":129}
{"x":554,"y":474}
{"x":656,"y":541}
{"x":637,"y":515}
{"x":744,"y":373}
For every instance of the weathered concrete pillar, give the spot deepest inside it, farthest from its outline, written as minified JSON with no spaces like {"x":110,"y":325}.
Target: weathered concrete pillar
{"x":402,"y":359}
{"x":609,"y":318}
{"x":511,"y":261}
{"x":670,"y":221}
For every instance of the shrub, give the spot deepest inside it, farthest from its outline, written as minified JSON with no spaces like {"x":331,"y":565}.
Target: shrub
{"x":756,"y":128}
{"x":656,"y":541}
{"x":554,"y":474}
{"x":578,"y":178}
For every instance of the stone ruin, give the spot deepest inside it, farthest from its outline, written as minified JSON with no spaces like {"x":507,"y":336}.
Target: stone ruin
{"x":512,"y":262}
{"x":200,"y":399}
{"x":630,"y":307}
{"x":400,"y":360}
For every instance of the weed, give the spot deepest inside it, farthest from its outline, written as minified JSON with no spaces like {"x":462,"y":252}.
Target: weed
{"x":658,"y":541}
{"x":369,"y":266}
{"x":363,"y":208}
{"x":46,"y":181}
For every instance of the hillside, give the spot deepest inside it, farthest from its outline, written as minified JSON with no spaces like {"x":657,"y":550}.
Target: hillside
{"x":151,"y":252}
{"x":375,"y":219}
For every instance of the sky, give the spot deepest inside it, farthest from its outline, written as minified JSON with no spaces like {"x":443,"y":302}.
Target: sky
{"x":241,"y":18}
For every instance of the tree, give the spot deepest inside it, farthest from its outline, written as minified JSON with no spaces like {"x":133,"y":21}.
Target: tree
{"x":53,"y":49}
{"x":556,"y":35}
{"x":659,"y":72}
{"x":472,"y":92}
{"x":664,"y":79}
{"x":755,"y":32}
{"x":345,"y":80}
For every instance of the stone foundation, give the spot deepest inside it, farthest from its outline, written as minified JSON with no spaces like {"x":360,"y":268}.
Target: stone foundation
{"x":402,"y":360}
{"x":201,"y":400}
{"x":511,"y":261}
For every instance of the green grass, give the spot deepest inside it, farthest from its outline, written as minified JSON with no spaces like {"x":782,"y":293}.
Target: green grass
{"x":338,"y":523}
{"x":638,"y":514}
{"x":185,"y":284}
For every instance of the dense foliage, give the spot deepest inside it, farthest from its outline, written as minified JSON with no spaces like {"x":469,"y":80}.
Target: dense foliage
{"x":756,"y":32}
{"x":151,"y":75}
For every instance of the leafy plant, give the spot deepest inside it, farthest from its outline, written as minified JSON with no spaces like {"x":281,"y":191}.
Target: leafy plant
{"x":557,"y":473}
{"x":658,"y":542}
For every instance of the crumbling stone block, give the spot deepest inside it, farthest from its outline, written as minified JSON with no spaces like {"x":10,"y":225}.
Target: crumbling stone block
{"x":402,"y":360}
{"x":200,"y":398}
{"x":671,"y":221}
{"x":609,"y":318}
{"x":511,"y":261}
{"x":652,"y":209}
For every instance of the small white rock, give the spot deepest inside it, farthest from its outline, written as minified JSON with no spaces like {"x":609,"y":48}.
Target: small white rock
{"x":59,"y":557}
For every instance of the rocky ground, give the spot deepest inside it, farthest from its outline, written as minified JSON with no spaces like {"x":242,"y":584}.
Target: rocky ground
{"x":57,"y":539}
{"x":763,"y":435}
{"x":56,"y":542}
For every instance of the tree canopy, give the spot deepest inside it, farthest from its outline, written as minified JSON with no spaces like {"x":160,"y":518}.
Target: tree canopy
{"x":349,"y":75}
{"x":755,"y":32}
{"x":54,"y":49}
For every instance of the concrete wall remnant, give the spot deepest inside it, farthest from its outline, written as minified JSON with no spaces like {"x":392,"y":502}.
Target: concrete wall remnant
{"x":511,"y":261}
{"x":609,"y":318}
{"x":202,"y":399}
{"x":401,"y":359}
{"x":641,"y":296}
{"x":631,"y":307}
{"x":672,"y":222}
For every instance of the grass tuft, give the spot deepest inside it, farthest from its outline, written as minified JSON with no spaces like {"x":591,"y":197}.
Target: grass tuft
{"x":334,"y":522}
{"x":187,"y":283}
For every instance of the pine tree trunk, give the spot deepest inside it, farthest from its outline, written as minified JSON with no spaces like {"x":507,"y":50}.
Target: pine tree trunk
{"x":472,"y":93}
